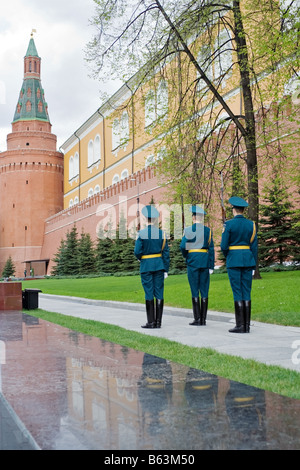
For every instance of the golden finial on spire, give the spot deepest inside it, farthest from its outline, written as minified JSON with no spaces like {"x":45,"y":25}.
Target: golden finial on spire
{"x":32,"y":31}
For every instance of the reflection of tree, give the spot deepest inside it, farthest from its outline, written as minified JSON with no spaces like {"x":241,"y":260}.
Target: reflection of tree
{"x":154,"y":390}
{"x":246,"y":411}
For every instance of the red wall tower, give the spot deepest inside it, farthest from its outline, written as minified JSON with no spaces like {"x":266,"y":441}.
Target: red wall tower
{"x":31,"y":175}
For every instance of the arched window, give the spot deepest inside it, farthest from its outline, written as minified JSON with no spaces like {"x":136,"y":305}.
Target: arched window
{"x":71,"y":167}
{"x":76,"y":200}
{"x":91,"y":192}
{"x":115,"y":179}
{"x":71,"y":203}
{"x":149,"y":160}
{"x":76,"y":164}
{"x":97,"y":149}
{"x":124,"y":134}
{"x":116,"y":134}
{"x":28,"y":106}
{"x":150,"y":108}
{"x":97,"y":189}
{"x":223,"y":51}
{"x":124,"y":174}
{"x":204,"y":60}
{"x":90,"y":153}
{"x":162,"y":98}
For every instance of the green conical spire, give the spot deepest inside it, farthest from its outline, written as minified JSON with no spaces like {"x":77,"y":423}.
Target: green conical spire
{"x":31,"y":50}
{"x":31,"y":103}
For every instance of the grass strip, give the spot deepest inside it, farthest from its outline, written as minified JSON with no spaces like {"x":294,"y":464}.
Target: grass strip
{"x":273,"y":378}
{"x":275,"y":297}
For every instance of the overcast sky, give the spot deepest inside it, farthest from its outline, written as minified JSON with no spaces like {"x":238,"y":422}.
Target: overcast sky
{"x":63,"y":31}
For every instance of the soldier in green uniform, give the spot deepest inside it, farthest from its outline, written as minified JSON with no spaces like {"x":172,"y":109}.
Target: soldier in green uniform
{"x":239,"y":246}
{"x":197,"y":247}
{"x":151,"y":248}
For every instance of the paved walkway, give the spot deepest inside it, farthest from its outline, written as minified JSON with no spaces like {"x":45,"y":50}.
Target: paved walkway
{"x":266,"y":343}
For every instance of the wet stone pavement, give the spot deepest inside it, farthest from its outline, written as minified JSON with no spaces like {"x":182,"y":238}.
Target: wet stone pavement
{"x":63,"y":390}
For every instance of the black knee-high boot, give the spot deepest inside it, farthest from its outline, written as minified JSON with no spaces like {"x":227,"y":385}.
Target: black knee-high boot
{"x":196,"y":311}
{"x":159,"y":311}
{"x":203,"y":311}
{"x":247,"y":315}
{"x":150,"y":314}
{"x":239,"y":317}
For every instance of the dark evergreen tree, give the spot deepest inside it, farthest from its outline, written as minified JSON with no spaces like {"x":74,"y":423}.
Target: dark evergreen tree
{"x":278,"y":239}
{"x":9,"y":268}
{"x":71,"y":265}
{"x":86,"y":254}
{"x":59,"y":260}
{"x":103,"y":251}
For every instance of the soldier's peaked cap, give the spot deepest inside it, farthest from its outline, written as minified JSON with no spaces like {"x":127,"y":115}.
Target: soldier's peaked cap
{"x":197,"y":210}
{"x":236,"y":201}
{"x":150,"y":212}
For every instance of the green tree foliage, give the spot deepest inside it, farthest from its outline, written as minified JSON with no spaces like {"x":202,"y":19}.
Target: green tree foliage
{"x":9,"y":268}
{"x":279,"y":237}
{"x":86,"y":254}
{"x":75,"y":255}
{"x":59,"y":260}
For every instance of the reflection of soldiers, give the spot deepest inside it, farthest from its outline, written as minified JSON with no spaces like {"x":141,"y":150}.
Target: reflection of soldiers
{"x":201,"y":391}
{"x":151,"y":248}
{"x":155,"y":389}
{"x":246,"y":410}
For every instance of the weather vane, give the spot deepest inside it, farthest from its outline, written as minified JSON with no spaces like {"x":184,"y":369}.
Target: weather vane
{"x":33,"y":31}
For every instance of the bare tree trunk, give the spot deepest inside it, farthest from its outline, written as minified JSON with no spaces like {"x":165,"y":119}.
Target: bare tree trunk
{"x":250,"y":136}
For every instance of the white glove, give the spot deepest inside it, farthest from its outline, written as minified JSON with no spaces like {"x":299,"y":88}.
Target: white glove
{"x":165,"y":275}
{"x":211,"y":271}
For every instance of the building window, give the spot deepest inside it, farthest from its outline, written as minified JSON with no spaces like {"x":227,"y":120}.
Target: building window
{"x":28,"y":106}
{"x":91,"y":192}
{"x":204,"y":60}
{"x":90,"y":153}
{"x":71,"y":203}
{"x":97,"y":189}
{"x":162,"y":99}
{"x":116,"y":134}
{"x":149,"y":160}
{"x":40,"y":107}
{"x":124,"y":129}
{"x":223,"y":56}
{"x":76,"y":164}
{"x":76,"y":200}
{"x":156,"y":105}
{"x":71,"y":167}
{"x":29,"y":92}
{"x":97,"y":149}
{"x":150,"y":108}
{"x":115,"y":179}
{"x":124,"y":174}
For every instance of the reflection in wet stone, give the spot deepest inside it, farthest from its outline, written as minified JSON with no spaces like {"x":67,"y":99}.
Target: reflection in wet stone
{"x":68,"y":390}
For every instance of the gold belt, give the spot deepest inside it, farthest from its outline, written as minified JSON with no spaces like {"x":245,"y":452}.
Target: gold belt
{"x":157,"y":255}
{"x":239,"y":247}
{"x":198,"y":251}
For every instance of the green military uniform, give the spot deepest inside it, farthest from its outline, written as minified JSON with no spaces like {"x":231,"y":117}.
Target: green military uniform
{"x":239,"y":246}
{"x":197,"y":247}
{"x":151,"y":248}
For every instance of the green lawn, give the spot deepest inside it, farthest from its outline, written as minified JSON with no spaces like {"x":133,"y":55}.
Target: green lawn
{"x":275,"y":297}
